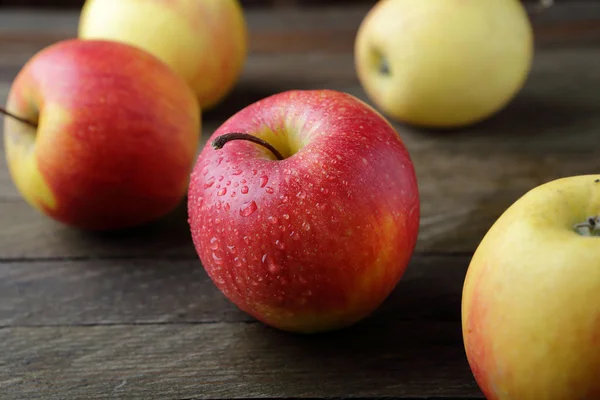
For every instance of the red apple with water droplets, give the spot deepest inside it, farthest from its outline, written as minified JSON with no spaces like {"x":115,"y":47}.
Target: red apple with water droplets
{"x":304,"y":209}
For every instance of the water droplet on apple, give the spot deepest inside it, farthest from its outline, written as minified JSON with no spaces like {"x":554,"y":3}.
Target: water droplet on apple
{"x":233,"y":194}
{"x":226,"y":206}
{"x":301,"y":195}
{"x":237,"y":262}
{"x":209,"y":183}
{"x":222,"y":191}
{"x":231,"y":248}
{"x":243,"y":181}
{"x":286,"y":216}
{"x":306,"y":226}
{"x":269,"y":190}
{"x":219,"y":160}
{"x":237,"y":172}
{"x":246,"y":240}
{"x":244,"y":190}
{"x":254,"y":172}
{"x":228,"y":183}
{"x":214,"y":243}
{"x":248,"y":208}
{"x":280,"y":245}
{"x":263,"y":181}
{"x":218,"y":260}
{"x":294,"y":235}
{"x":272,"y":219}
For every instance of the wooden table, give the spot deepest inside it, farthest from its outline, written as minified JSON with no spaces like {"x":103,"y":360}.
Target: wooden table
{"x":133,"y":314}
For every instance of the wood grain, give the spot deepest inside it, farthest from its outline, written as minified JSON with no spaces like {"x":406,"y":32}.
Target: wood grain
{"x":133,"y":315}
{"x":223,"y":361}
{"x":155,"y":291}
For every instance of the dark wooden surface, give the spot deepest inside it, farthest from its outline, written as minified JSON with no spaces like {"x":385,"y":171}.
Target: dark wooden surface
{"x":133,"y":315}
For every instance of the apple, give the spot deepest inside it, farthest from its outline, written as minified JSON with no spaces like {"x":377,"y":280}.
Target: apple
{"x":204,"y":41}
{"x":443,"y":63}
{"x":304,"y":209}
{"x":531,"y":296}
{"x":111,"y":137}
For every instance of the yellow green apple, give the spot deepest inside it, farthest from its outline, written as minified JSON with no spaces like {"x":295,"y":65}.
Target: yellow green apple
{"x":205,"y":41}
{"x":111,"y":136}
{"x":443,"y":63}
{"x":531,"y":297}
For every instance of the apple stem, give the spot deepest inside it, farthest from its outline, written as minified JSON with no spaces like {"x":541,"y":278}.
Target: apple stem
{"x":220,"y":141}
{"x":23,"y":120}
{"x":590,"y":227}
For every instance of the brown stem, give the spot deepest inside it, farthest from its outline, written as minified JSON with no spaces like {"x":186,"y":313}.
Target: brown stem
{"x":589,"y":227}
{"x":20,"y":119}
{"x":220,"y":141}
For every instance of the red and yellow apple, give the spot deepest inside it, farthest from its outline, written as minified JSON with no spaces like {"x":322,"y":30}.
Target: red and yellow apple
{"x":205,"y":41}
{"x":307,"y":215}
{"x":115,"y":137}
{"x":531,"y":297}
{"x":443,"y":63}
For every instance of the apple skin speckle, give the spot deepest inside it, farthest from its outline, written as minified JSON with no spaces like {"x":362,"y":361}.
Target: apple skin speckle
{"x":332,"y":227}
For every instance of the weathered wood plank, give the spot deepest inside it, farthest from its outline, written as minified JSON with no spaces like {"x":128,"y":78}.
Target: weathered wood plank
{"x":145,"y":291}
{"x":392,"y":358}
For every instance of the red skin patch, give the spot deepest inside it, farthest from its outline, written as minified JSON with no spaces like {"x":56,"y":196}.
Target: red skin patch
{"x":123,"y":153}
{"x":304,"y":234}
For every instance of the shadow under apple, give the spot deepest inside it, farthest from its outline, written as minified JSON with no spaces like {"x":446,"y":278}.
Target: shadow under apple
{"x":416,"y":331}
{"x":167,"y":237}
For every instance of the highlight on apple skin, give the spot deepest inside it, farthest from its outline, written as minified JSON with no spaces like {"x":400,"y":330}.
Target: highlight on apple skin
{"x":204,"y":41}
{"x":116,"y":138}
{"x":531,"y":296}
{"x":443,"y":64}
{"x":315,"y":241}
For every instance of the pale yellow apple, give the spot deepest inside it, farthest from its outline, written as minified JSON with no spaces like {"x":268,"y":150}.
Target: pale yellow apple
{"x":531,"y":297}
{"x":205,"y":41}
{"x":443,"y":63}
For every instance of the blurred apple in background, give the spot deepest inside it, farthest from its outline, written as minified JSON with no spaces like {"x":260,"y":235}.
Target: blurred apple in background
{"x":531,"y":297}
{"x":205,"y":41}
{"x":115,"y":139}
{"x":443,"y":63}
{"x":315,"y":237}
